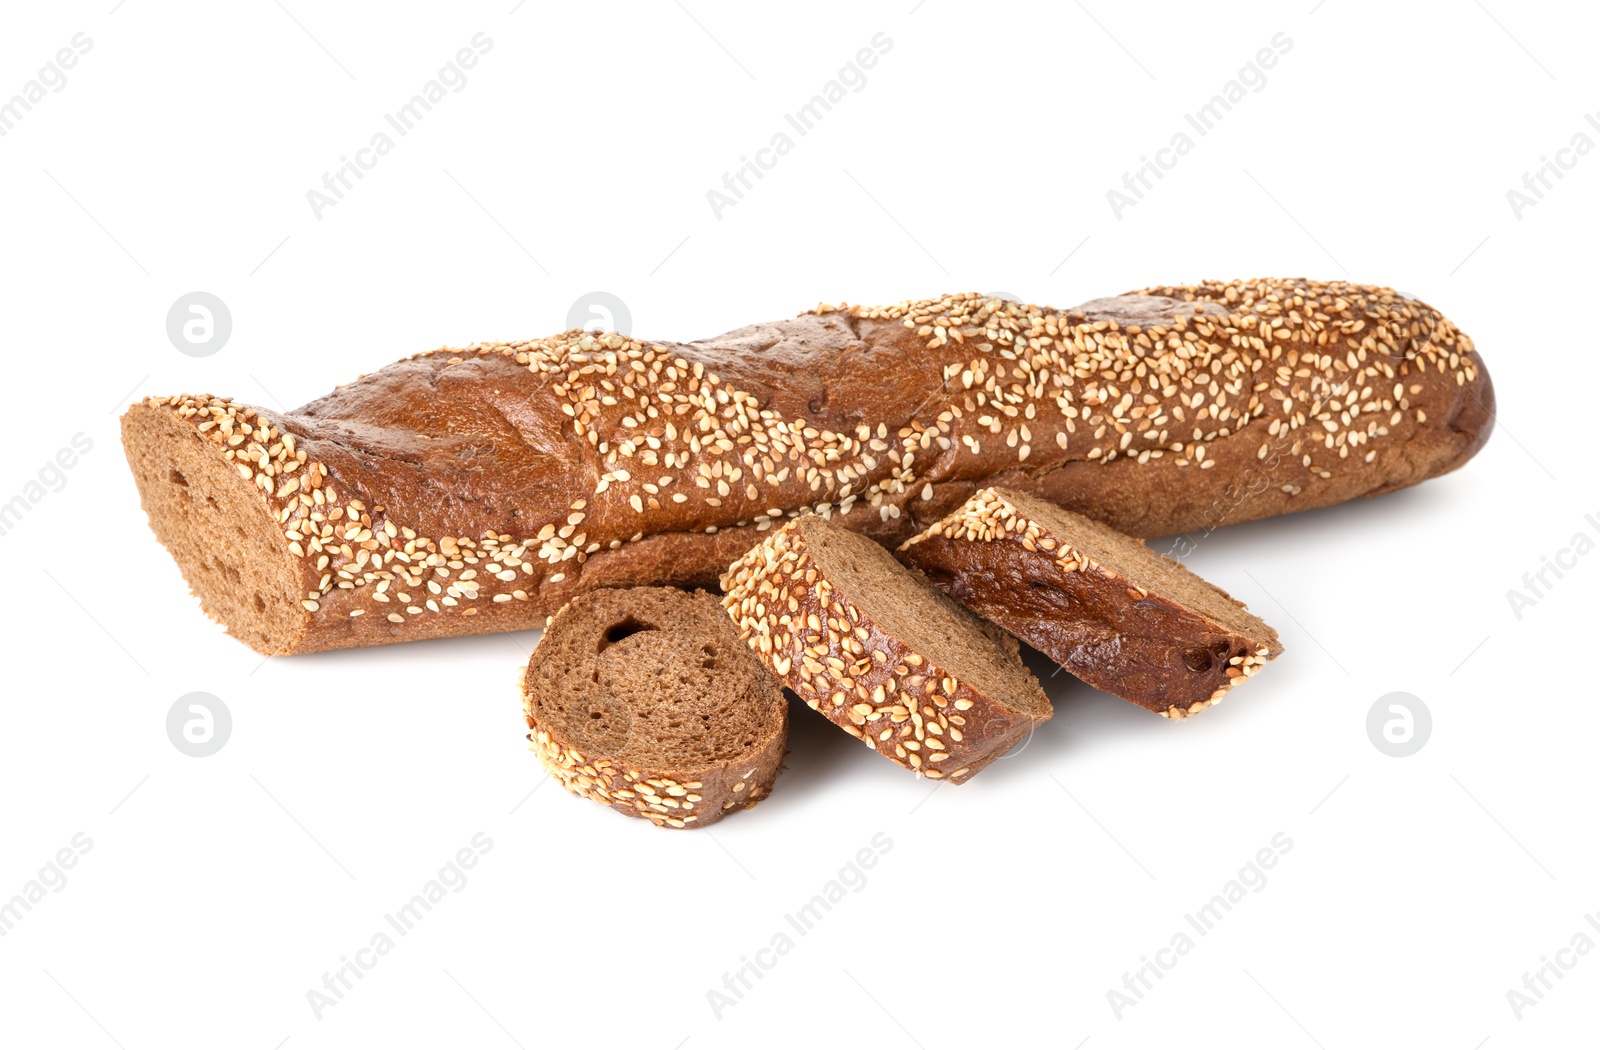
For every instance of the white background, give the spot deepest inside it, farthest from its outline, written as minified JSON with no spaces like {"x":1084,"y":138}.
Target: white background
{"x":218,"y":891}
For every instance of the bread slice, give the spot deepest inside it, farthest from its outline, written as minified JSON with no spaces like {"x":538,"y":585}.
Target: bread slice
{"x":872,"y":646}
{"x":645,"y":699}
{"x":1101,"y":604}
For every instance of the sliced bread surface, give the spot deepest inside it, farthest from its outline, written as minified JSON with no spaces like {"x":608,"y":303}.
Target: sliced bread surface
{"x":1103,"y":605}
{"x":869,"y":644}
{"x":645,"y":699}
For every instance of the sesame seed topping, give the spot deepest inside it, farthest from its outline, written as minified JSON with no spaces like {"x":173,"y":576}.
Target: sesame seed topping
{"x":1328,"y":370}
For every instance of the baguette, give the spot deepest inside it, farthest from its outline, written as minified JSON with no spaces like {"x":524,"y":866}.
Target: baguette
{"x":645,"y":700}
{"x":869,"y":644}
{"x":468,"y":491}
{"x":1102,"y":605}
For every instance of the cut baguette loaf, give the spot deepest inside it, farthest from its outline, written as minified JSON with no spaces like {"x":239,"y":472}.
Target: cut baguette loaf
{"x":467,"y":491}
{"x":1099,"y":603}
{"x":644,"y":699}
{"x":883,"y":655}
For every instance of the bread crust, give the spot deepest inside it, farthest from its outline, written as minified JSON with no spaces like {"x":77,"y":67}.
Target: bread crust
{"x":872,"y":684}
{"x":510,"y":477}
{"x":1002,"y":559}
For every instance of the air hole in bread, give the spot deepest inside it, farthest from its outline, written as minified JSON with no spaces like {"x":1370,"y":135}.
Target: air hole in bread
{"x":176,"y":477}
{"x":1197,"y":660}
{"x":625,"y":629}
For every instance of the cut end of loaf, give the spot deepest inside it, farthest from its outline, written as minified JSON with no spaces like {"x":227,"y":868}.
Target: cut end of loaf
{"x":218,"y":528}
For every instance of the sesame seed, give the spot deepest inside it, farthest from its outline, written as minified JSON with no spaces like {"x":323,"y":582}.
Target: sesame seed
{"x":1274,"y":361}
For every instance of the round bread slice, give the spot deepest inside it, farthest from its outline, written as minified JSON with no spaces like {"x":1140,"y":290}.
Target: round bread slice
{"x":645,"y":699}
{"x":868,"y":643}
{"x":1101,"y":604}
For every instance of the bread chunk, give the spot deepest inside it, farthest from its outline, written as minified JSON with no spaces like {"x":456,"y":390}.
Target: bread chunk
{"x":885,"y":656}
{"x":644,"y":699}
{"x":1099,"y":603}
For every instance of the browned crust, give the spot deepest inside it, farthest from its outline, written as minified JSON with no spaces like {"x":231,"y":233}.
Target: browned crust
{"x":584,"y":461}
{"x":664,"y":797}
{"x":1142,"y":645}
{"x":871,"y":684}
{"x":667,"y":798}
